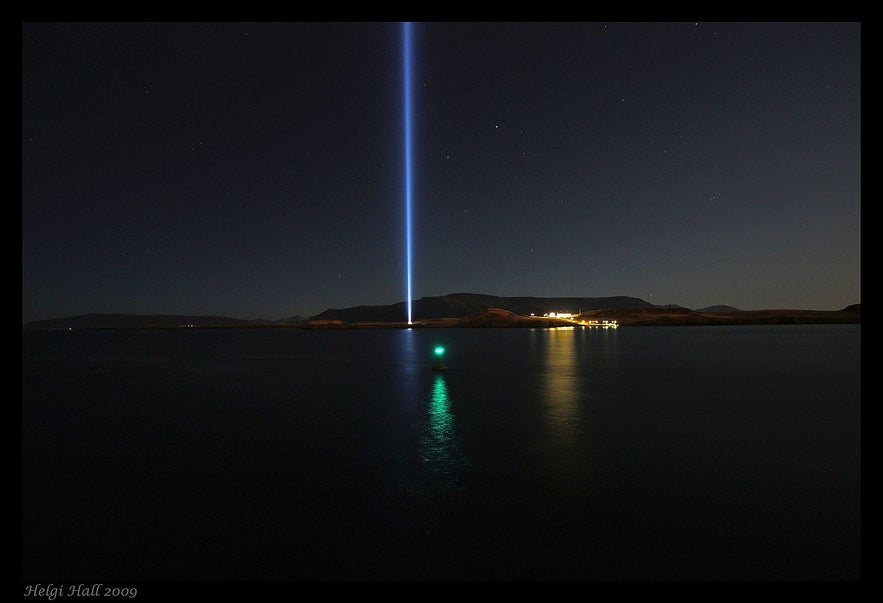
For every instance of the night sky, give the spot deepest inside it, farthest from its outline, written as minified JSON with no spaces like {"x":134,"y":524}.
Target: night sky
{"x":255,"y":170}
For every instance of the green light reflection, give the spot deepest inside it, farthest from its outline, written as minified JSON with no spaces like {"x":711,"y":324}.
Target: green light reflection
{"x":439,"y":447}
{"x":441,"y":422}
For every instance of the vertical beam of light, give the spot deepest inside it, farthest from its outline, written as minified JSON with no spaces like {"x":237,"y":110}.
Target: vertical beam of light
{"x":406,"y":75}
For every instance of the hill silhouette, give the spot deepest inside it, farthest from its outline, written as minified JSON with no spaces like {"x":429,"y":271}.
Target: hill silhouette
{"x":718,"y":308}
{"x":461,"y":305}
{"x":474,"y":310}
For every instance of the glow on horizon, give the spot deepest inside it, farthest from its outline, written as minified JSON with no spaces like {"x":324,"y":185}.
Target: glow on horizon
{"x":406,"y":75}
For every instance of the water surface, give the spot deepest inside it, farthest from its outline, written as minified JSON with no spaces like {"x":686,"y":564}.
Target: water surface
{"x":634,"y":453}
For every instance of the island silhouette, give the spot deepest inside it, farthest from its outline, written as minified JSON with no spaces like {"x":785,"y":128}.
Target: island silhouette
{"x":472,"y":310}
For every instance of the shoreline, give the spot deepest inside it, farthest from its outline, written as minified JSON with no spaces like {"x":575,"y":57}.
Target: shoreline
{"x":499,"y":318}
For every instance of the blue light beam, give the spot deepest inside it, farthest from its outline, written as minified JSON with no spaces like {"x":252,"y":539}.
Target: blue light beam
{"x":406,"y":75}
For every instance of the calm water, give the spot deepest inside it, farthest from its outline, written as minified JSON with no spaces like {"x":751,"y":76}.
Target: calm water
{"x":637,"y":453}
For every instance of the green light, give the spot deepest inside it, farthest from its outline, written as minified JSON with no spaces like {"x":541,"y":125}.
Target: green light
{"x":439,"y":351}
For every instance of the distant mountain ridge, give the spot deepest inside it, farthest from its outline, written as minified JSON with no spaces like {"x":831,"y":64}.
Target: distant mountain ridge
{"x":139,"y":321}
{"x":454,"y":305}
{"x":460,"y":305}
{"x":718,"y":308}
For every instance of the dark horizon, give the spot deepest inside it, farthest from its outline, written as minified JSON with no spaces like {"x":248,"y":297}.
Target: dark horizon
{"x":423,"y":305}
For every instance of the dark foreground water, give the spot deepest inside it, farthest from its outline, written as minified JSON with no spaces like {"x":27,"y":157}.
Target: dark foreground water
{"x":638,"y":453}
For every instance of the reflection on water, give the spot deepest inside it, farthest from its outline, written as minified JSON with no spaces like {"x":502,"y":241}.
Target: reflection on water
{"x":439,"y":447}
{"x":560,"y":381}
{"x":441,"y":423}
{"x":681,"y":453}
{"x":408,"y":375}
